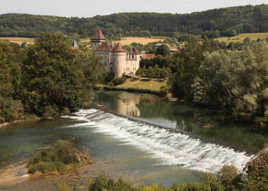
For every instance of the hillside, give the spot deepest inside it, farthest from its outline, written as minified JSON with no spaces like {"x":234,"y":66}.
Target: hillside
{"x":213,"y":23}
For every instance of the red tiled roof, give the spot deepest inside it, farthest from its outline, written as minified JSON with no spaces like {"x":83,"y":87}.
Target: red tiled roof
{"x":98,"y":35}
{"x":172,"y":48}
{"x":118,"y":48}
{"x":147,"y":56}
{"x":104,"y":47}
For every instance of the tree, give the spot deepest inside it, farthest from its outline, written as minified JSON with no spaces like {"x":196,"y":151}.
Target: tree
{"x":52,"y":75}
{"x":10,"y":107}
{"x":163,"y":50}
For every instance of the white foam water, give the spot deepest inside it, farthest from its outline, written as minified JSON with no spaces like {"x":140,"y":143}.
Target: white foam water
{"x":171,"y":148}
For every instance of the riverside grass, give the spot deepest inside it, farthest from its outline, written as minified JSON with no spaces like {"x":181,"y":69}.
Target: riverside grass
{"x":140,"y":85}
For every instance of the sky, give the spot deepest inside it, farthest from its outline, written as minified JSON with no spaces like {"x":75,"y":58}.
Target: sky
{"x":89,"y":8}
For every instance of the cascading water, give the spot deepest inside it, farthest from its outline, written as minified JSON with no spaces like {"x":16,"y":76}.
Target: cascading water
{"x":171,"y":148}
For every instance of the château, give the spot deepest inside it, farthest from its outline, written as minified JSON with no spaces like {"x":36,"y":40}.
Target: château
{"x":116,"y":59}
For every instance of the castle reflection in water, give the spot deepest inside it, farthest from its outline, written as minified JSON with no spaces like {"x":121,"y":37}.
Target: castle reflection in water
{"x":127,"y":104}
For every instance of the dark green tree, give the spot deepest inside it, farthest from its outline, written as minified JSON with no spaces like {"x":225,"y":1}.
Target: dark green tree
{"x":52,"y":75}
{"x":163,"y":50}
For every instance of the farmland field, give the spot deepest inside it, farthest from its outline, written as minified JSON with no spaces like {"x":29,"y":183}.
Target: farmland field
{"x":241,"y":37}
{"x":129,"y":40}
{"x":141,"y":40}
{"x":18,"y":40}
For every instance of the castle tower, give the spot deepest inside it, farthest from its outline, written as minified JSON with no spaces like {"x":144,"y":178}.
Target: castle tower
{"x":97,"y":39}
{"x":119,"y":58}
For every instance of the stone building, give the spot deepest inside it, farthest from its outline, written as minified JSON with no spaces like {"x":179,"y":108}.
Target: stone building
{"x":116,"y":59}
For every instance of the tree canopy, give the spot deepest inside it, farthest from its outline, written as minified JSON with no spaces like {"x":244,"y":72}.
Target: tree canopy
{"x":47,"y":78}
{"x":211,"y":23}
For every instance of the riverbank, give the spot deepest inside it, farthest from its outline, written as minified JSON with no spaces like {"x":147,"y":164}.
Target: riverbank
{"x":15,"y":177}
{"x":14,"y":174}
{"x":27,"y":119}
{"x":134,"y":90}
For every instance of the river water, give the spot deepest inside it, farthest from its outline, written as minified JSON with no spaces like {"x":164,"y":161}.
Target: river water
{"x":139,"y":136}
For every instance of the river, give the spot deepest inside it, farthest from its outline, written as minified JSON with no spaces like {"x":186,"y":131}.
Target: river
{"x":140,"y":137}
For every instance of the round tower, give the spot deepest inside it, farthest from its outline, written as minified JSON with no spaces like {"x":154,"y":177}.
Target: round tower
{"x":119,"y":58}
{"x":97,"y":39}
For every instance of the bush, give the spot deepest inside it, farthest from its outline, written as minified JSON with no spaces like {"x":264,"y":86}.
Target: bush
{"x":51,"y":112}
{"x":228,"y":174}
{"x":118,"y":81}
{"x":192,"y":187}
{"x":257,"y":170}
{"x":58,"y":157}
{"x":103,"y":183}
{"x":10,"y":109}
{"x":63,"y":187}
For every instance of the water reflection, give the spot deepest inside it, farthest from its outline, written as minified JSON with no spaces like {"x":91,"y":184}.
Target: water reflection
{"x":127,"y":104}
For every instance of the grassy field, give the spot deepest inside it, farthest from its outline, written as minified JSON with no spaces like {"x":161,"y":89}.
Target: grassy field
{"x":144,"y":83}
{"x":241,"y":37}
{"x":129,"y":40}
{"x":18,"y":40}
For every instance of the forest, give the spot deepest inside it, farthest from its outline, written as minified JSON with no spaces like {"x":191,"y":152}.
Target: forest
{"x":211,"y":23}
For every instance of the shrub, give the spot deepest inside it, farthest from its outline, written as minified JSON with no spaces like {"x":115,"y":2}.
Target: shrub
{"x":63,"y":187}
{"x":50,"y":111}
{"x":118,"y":81}
{"x":257,"y":170}
{"x":228,"y":174}
{"x":10,"y":109}
{"x":58,"y":157}
{"x":103,"y":183}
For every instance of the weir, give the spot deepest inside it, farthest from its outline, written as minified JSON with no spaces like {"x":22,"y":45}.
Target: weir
{"x":169,"y":147}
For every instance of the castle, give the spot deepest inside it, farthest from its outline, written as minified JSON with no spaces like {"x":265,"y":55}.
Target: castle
{"x":116,"y":59}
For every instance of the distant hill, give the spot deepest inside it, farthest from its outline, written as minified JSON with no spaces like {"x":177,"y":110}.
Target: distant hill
{"x":212,"y":23}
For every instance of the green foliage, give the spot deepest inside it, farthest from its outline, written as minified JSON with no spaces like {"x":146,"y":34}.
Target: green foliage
{"x":228,"y":179}
{"x":47,"y":78}
{"x":232,"y":81}
{"x":118,"y":81}
{"x":51,"y":73}
{"x":187,"y":65}
{"x":10,"y":109}
{"x":60,"y":156}
{"x":103,"y":183}
{"x":258,"y":172}
{"x":163,"y":50}
{"x":10,"y":79}
{"x":158,"y":67}
{"x":228,"y":176}
{"x":153,"y":72}
{"x":212,"y":23}
{"x":63,"y":187}
{"x":193,"y":187}
{"x":55,"y":76}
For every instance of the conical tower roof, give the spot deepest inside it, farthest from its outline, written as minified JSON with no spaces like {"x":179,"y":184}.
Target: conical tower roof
{"x":118,"y":48}
{"x":98,"y":35}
